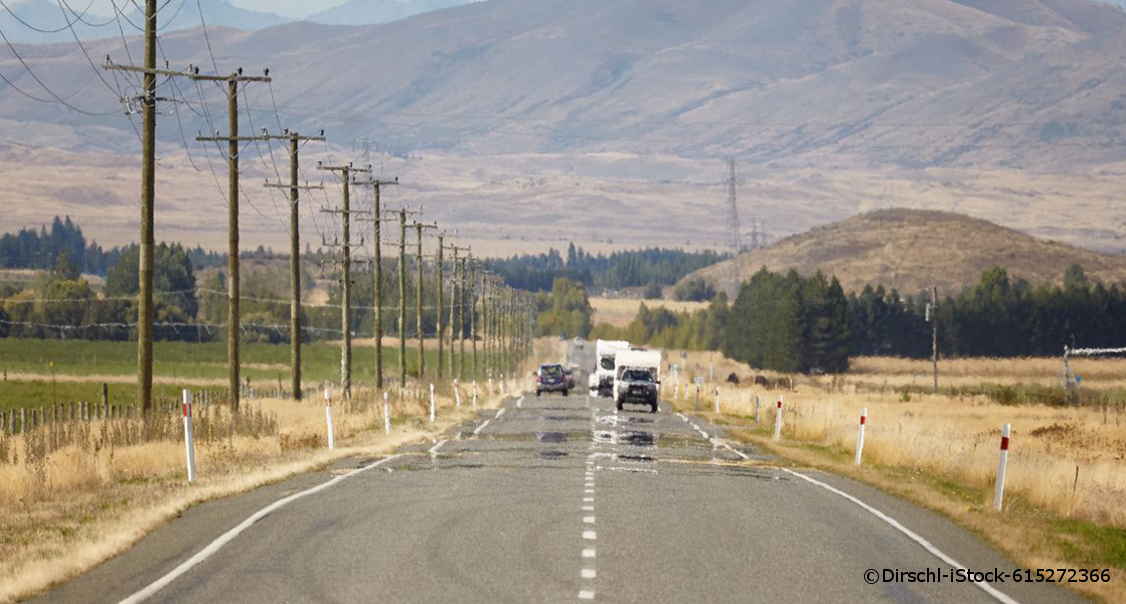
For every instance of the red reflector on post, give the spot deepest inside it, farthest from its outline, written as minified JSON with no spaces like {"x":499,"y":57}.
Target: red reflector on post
{"x":1004,"y":443}
{"x":863,"y":420}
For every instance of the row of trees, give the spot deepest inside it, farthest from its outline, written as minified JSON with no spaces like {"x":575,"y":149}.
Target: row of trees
{"x":795,"y":324}
{"x":61,"y":303}
{"x":781,"y":322}
{"x":661,"y":328}
{"x":40,"y":250}
{"x":641,"y":268}
{"x":997,"y":317}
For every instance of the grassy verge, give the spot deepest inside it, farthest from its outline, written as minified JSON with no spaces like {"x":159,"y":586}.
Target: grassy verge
{"x":73,"y":496}
{"x":1033,"y":536}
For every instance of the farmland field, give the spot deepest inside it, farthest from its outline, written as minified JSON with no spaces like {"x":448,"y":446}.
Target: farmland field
{"x":80,"y":367}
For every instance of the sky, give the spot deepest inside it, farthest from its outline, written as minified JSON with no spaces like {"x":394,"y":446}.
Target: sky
{"x":286,"y":8}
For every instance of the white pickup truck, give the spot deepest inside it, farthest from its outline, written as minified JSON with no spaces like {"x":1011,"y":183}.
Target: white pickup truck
{"x":602,"y":378}
{"x":637,"y":378}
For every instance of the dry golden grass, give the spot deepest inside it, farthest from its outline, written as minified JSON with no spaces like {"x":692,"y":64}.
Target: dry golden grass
{"x":960,"y":439}
{"x":1097,"y":373}
{"x":619,"y":312}
{"x":942,"y":451}
{"x":65,"y":511}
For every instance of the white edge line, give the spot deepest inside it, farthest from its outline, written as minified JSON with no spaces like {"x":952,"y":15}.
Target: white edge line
{"x":500,"y":413}
{"x":927,"y":545}
{"x":481,"y":427}
{"x":435,"y":448}
{"x":228,"y":536}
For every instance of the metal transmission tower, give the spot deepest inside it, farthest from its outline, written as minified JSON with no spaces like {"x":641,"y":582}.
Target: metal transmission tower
{"x":734,"y":239}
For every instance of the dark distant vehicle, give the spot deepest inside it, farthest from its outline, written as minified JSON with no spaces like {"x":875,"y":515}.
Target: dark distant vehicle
{"x":551,"y":377}
{"x":570,"y":373}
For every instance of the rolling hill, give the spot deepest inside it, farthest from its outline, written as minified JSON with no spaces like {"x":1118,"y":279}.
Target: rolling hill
{"x":910,"y":250}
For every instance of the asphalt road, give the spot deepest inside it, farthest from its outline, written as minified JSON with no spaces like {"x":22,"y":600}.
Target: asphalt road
{"x":557,"y":499}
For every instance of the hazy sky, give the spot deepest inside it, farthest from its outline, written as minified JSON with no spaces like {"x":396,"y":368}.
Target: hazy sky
{"x":288,"y":8}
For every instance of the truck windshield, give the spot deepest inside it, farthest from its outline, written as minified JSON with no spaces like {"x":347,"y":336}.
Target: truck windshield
{"x":637,"y":375}
{"x":551,"y":370}
{"x":608,"y":363}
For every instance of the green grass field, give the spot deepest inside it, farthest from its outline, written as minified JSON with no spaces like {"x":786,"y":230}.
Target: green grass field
{"x":15,"y":394}
{"x":188,"y":363}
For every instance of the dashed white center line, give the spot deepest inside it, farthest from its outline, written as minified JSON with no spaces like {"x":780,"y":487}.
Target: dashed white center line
{"x":588,"y":499}
{"x":588,"y":519}
{"x":586,"y":595}
{"x":481,"y":427}
{"x":589,"y":573}
{"x":589,"y":553}
{"x":588,"y":508}
{"x":434,"y":449}
{"x":590,"y":535}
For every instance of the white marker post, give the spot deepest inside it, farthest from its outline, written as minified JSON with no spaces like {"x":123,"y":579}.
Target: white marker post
{"x":999,"y":494}
{"x":717,"y":400}
{"x":474,"y":394}
{"x":386,"y":413}
{"x":503,"y":385}
{"x":328,"y":419}
{"x":758,"y":410}
{"x":189,"y":436}
{"x":676,"y":392}
{"x":431,"y":403}
{"x":490,"y":385}
{"x":860,"y":436}
{"x":457,"y":395}
{"x":778,"y":420}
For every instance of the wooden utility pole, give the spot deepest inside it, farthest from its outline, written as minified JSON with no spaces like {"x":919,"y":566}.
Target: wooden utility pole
{"x":439,"y":307}
{"x":148,"y":197}
{"x":233,"y":281}
{"x":456,"y":299}
{"x":346,"y":172}
{"x":453,"y":307}
{"x":461,"y":322}
{"x":295,"y":189}
{"x":377,"y":270}
{"x":474,"y":299}
{"x":419,"y":298}
{"x":486,"y":318}
{"x":934,"y":334}
{"x":402,"y":298}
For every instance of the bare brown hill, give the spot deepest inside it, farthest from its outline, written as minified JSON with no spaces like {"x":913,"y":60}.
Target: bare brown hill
{"x":910,"y":250}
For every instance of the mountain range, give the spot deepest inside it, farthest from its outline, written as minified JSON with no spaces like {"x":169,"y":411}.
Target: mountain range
{"x":1012,"y":110}
{"x":45,"y":21}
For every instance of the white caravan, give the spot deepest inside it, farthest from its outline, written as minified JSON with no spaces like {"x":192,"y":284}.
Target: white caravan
{"x":602,"y":378}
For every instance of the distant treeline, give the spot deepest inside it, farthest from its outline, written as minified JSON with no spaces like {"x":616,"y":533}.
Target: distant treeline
{"x":60,"y":303}
{"x":40,"y":250}
{"x":780,"y":322}
{"x":640,"y":268}
{"x":795,"y":324}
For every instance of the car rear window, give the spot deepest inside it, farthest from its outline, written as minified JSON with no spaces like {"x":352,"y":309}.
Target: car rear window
{"x":551,"y":370}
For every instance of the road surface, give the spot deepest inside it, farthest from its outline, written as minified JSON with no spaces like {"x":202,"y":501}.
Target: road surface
{"x":556,"y":500}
